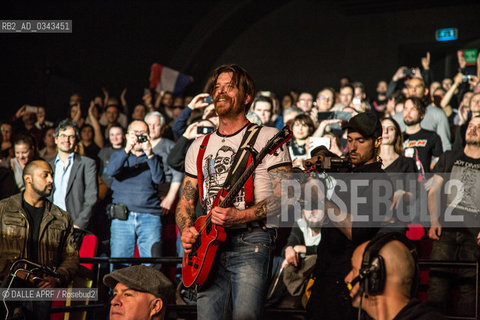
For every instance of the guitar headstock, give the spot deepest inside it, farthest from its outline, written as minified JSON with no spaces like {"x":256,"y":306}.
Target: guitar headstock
{"x":278,"y":140}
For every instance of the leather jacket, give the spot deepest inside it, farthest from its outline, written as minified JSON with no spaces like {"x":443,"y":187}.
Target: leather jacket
{"x":56,"y":245}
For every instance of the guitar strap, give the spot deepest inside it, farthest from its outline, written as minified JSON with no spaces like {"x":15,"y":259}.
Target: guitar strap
{"x":243,"y":158}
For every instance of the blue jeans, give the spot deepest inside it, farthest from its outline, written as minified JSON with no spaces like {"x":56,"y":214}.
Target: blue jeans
{"x":141,"y":228}
{"x":238,"y":281}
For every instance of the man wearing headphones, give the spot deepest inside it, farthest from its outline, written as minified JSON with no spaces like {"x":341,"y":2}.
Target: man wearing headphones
{"x":384,"y":278}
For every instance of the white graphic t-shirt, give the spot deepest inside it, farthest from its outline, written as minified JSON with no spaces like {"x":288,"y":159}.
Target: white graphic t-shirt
{"x":218,"y":159}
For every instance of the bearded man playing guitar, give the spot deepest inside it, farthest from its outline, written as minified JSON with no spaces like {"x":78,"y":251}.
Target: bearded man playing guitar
{"x":238,"y":276}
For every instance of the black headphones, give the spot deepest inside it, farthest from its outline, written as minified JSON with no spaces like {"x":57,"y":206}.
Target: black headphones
{"x":372,"y":273}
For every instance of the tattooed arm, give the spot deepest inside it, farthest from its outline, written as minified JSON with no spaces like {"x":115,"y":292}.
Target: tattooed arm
{"x":266,"y":208}
{"x":185,"y":213}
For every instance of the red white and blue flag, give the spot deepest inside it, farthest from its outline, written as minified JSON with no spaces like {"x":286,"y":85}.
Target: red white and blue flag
{"x":166,"y":79}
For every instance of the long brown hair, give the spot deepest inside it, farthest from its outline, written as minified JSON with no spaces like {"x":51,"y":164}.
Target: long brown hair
{"x":398,"y":143}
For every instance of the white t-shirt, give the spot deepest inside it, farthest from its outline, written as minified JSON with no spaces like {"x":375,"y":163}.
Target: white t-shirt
{"x":218,"y":159}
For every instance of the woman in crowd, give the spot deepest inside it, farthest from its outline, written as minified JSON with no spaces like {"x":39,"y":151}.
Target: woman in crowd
{"x":90,"y":148}
{"x":115,"y":143}
{"x":25,"y":151}
{"x":394,"y":163}
{"x":302,"y":128}
{"x":50,"y":151}
{"x":139,"y":112}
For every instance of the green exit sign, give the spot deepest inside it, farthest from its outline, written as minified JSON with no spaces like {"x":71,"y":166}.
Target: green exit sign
{"x":447,"y":34}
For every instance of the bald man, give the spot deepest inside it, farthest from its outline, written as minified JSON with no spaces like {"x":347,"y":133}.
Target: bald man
{"x":395,"y":301}
{"x":136,"y":173}
{"x":35,"y":229}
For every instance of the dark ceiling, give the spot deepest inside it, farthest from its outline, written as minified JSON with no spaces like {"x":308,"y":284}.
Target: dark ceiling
{"x":114,"y":43}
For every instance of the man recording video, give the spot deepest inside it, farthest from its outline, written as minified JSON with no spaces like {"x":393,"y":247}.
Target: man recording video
{"x":35,"y":229}
{"x":330,"y":299}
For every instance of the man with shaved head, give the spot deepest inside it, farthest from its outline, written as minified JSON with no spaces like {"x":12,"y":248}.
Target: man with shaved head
{"x":395,"y":301}
{"x":136,"y":210}
{"x":33,"y":228}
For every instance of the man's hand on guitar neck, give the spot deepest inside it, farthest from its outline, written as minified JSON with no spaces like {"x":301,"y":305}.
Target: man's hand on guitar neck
{"x":189,"y":236}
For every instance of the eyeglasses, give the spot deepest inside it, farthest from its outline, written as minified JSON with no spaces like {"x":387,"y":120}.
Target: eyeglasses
{"x":324,"y":98}
{"x":66,"y":137}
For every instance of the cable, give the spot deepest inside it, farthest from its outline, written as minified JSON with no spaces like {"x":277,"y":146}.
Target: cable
{"x":4,"y":294}
{"x":360,"y":307}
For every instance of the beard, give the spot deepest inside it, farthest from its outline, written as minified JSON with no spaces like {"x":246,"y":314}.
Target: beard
{"x":67,"y":149}
{"x":474,"y":143}
{"x":363,"y":158}
{"x":411,"y":122}
{"x":229,"y":108}
{"x":315,"y":224}
{"x":45,"y":192}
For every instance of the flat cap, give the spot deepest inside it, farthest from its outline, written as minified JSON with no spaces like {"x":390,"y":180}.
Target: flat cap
{"x":365,"y":123}
{"x":141,"y":278}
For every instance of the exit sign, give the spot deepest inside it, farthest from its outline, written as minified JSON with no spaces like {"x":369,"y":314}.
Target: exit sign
{"x":447,"y":34}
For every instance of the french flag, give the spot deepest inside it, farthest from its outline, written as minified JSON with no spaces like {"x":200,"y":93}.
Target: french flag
{"x":165,"y":79}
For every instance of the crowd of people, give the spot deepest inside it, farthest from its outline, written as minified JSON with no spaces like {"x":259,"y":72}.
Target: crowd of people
{"x":126,"y":173}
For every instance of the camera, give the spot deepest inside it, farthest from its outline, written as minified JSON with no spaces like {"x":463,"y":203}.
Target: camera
{"x":466,"y":78}
{"x":409,"y":72}
{"x":329,"y":164}
{"x":208,"y":100}
{"x":205,"y":130}
{"x":141,"y":138}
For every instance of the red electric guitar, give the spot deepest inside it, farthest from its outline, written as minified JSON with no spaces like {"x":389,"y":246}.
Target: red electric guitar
{"x":197,"y":264}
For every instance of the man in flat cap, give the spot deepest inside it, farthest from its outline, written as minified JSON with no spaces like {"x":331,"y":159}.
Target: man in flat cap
{"x":139,"y":293}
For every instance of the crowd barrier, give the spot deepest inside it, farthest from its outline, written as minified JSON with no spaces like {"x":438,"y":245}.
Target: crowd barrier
{"x":189,"y":312}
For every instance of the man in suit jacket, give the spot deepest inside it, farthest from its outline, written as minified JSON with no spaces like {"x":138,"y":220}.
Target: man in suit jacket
{"x":75,"y":176}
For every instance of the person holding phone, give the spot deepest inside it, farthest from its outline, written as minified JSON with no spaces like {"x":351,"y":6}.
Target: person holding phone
{"x":23,"y":122}
{"x":200,"y":101}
